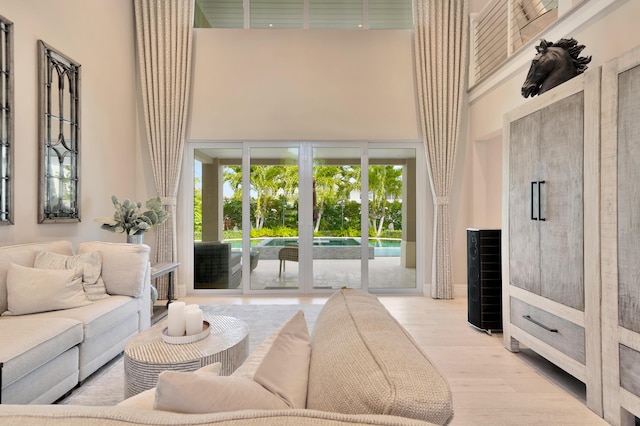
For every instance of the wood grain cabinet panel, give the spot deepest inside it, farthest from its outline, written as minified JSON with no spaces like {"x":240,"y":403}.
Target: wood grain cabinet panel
{"x":630,"y":369}
{"x":524,"y":263}
{"x":620,"y":241}
{"x":629,"y":198}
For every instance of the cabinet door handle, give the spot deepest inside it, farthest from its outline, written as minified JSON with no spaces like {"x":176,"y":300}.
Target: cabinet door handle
{"x":539,"y":324}
{"x":533,"y":183}
{"x":540,"y":182}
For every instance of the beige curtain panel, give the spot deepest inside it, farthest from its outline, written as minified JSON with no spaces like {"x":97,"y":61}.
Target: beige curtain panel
{"x":441,"y":33}
{"x":164,"y":43}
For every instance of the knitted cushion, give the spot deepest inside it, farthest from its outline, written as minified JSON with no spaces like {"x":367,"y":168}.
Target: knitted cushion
{"x":363,"y":361}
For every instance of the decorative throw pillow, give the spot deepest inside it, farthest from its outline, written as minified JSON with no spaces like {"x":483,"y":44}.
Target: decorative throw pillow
{"x":207,"y":393}
{"x":32,"y":290}
{"x":91,"y":264}
{"x":125,"y":267}
{"x":284,"y":370}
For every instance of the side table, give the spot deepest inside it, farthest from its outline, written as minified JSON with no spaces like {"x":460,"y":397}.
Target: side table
{"x":160,"y":269}
{"x":146,"y":355}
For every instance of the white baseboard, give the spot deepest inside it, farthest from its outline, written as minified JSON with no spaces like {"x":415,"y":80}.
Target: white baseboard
{"x":460,"y":290}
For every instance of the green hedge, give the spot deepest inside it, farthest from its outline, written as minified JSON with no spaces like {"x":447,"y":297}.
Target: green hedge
{"x":293,"y":232}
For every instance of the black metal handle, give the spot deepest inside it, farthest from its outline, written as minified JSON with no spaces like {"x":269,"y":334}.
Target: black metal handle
{"x":533,"y":183}
{"x":540,"y":183}
{"x":539,"y":324}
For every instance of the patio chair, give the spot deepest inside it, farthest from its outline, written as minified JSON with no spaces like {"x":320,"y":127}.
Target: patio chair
{"x":288,"y":252}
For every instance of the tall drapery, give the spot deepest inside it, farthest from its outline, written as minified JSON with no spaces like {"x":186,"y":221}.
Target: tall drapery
{"x":164,"y":31}
{"x":441,"y":33}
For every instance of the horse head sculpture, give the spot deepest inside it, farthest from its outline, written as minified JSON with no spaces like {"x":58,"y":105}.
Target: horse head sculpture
{"x":554,"y":64}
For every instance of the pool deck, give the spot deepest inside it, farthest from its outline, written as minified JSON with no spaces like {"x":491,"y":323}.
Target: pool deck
{"x":319,"y":252}
{"x":384,"y":272}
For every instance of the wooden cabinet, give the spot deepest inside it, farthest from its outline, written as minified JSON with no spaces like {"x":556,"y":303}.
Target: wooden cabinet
{"x":620,"y":238}
{"x":550,"y":239}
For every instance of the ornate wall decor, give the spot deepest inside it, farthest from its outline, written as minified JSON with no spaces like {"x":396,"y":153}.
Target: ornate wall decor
{"x":6,"y":122}
{"x":59,"y":136}
{"x":554,"y":64}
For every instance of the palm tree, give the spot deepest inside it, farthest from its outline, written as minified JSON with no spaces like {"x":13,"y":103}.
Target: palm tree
{"x":267,"y":182}
{"x":333,"y":184}
{"x":385,"y":182}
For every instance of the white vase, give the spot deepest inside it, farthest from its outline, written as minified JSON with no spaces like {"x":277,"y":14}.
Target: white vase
{"x":135,"y":239}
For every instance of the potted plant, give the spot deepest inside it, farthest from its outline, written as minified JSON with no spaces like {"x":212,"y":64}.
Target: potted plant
{"x":130,"y":219}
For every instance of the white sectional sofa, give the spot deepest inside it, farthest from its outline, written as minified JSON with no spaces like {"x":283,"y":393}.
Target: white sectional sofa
{"x":46,"y":354}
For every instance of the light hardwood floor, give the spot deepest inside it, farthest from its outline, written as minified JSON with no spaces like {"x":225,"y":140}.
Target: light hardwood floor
{"x":490,"y":385}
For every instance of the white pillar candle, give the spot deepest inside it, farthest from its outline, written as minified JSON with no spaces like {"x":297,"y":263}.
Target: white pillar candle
{"x":193,"y":319}
{"x":191,"y":306}
{"x":176,"y":319}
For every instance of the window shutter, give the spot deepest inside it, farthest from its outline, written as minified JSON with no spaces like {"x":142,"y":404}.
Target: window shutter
{"x":491,"y":37}
{"x":529,"y":18}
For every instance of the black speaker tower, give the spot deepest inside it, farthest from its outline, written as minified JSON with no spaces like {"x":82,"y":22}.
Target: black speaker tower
{"x":484,"y":279}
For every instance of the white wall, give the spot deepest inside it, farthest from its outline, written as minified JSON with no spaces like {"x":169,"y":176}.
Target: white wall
{"x":303,"y":85}
{"x":99,"y":35}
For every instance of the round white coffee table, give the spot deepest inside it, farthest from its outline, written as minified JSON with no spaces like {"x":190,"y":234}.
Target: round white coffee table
{"x":146,"y":355}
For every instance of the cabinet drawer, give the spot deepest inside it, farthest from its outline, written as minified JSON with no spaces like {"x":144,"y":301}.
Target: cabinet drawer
{"x":566,"y":336}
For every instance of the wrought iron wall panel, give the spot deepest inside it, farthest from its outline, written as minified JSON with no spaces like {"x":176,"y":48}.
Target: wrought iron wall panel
{"x":6,"y":121}
{"x":59,"y":138}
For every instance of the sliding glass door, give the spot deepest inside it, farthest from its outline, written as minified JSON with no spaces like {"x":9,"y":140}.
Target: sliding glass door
{"x":217,"y":218}
{"x":303,"y":218}
{"x":392,"y":218}
{"x":337,"y":231}
{"x":274,"y":217}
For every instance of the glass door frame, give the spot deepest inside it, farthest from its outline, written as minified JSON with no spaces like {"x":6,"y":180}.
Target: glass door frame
{"x":305,"y":226}
{"x":304,"y":211}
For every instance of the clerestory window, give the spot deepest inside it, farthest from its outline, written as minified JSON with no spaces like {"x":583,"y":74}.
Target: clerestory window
{"x":304,"y":14}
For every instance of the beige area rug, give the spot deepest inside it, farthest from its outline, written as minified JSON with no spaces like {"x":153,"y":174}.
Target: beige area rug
{"x":106,"y":386}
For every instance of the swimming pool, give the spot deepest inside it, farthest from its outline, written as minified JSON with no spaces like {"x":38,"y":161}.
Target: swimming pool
{"x":317,"y":241}
{"x":330,"y":247}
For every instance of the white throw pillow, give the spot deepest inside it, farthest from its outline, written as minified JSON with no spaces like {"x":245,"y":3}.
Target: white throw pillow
{"x":280,"y":381}
{"x":214,"y":369}
{"x":284,"y":370}
{"x":31,"y":290}
{"x":192,"y":393}
{"x":91,"y":264}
